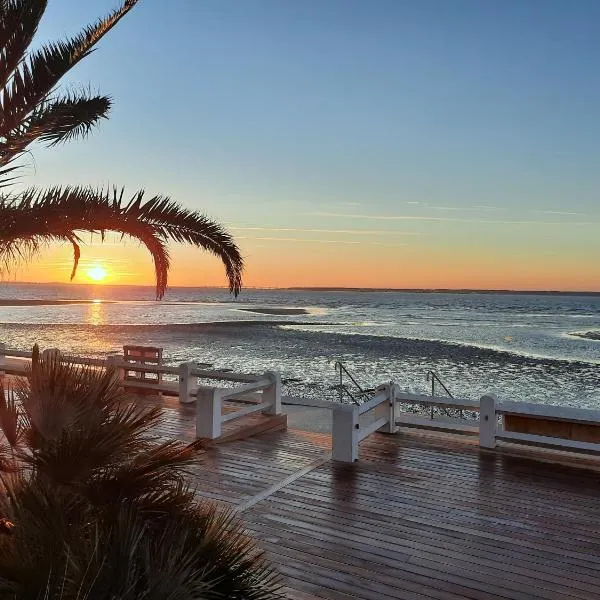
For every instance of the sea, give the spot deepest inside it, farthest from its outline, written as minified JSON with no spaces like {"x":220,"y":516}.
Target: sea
{"x":526,"y":347}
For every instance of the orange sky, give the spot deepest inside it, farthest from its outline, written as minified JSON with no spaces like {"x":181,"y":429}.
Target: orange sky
{"x":276,"y":263}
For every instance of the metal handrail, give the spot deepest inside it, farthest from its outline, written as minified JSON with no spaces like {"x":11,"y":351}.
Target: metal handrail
{"x":343,"y":389}
{"x":433,"y":377}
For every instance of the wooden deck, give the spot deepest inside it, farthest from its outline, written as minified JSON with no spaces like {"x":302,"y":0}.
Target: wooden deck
{"x":420,"y":516}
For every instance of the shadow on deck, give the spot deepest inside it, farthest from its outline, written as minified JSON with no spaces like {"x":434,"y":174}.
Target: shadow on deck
{"x":420,"y":516}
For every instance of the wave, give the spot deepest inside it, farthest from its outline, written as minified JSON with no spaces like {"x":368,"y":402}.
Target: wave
{"x":165,"y":327}
{"x":266,"y":332}
{"x":266,"y":310}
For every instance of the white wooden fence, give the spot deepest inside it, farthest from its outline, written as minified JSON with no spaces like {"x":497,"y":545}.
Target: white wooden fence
{"x":353,"y":423}
{"x":253,"y":393}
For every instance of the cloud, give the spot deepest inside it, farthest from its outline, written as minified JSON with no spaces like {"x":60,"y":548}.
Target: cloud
{"x":486,"y":207}
{"x":444,"y":219}
{"x":341,"y":231}
{"x":557,"y":212}
{"x":307,"y":241}
{"x":450,"y":208}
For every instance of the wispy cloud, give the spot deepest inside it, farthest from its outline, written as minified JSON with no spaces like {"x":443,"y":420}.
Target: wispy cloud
{"x":439,"y":207}
{"x":558,"y":212}
{"x":386,"y":232}
{"x":309,"y":241}
{"x":445,"y":219}
{"x":486,"y":207}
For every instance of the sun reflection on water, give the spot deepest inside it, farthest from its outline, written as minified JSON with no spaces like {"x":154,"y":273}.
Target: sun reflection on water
{"x":96,"y":314}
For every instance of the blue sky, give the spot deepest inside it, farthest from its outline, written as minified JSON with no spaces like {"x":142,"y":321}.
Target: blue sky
{"x":460,"y":137}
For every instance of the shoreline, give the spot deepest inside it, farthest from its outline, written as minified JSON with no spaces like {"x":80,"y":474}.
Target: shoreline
{"x":4,"y":302}
{"x":502,"y":291}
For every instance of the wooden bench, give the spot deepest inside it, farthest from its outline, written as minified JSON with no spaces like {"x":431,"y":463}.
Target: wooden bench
{"x":143,"y":380}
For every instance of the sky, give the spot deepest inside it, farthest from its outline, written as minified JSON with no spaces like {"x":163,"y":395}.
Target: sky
{"x":372,"y":143}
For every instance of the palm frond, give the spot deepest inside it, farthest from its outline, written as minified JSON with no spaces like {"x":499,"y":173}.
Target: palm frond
{"x":37,"y":217}
{"x":37,"y":77}
{"x":10,"y":417}
{"x":59,"y":120}
{"x":8,"y":170}
{"x":104,"y":510}
{"x":153,"y":480}
{"x":27,"y":81}
{"x":19,"y":20}
{"x":179,"y":224}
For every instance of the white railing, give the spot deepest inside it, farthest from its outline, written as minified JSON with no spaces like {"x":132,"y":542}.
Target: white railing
{"x":352,"y":424}
{"x":585,"y":420}
{"x":211,"y":401}
{"x":214,"y":405}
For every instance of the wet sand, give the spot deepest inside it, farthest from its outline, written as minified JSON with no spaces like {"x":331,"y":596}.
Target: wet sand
{"x":587,"y":335}
{"x":277,"y":311}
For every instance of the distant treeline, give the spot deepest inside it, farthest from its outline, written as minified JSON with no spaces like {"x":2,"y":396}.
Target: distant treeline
{"x":444,"y":291}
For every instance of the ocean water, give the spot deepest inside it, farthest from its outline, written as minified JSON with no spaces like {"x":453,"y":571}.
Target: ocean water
{"x":519,"y":346}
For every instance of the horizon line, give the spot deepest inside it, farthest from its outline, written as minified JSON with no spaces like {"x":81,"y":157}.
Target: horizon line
{"x":318,"y":288}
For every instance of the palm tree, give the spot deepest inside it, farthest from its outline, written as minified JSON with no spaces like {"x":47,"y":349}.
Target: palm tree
{"x":32,"y":108}
{"x":94,"y":506}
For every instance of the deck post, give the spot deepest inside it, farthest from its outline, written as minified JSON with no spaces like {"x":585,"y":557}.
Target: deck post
{"x":487,"y":421}
{"x":391,"y":427}
{"x":3,"y":363}
{"x":208,"y":413}
{"x":272,"y":394}
{"x":186,"y":382}
{"x":344,"y":433}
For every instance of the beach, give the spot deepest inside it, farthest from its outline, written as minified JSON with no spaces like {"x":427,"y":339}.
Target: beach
{"x":536,"y":348}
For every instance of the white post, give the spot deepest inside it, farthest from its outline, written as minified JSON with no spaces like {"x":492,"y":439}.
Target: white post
{"x":344,"y":433}
{"x":186,"y":382}
{"x":3,"y":363}
{"x":272,"y":394}
{"x":391,"y":426}
{"x":487,"y":421}
{"x":208,"y":413}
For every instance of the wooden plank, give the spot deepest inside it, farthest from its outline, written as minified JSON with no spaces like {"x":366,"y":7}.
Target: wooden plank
{"x":243,"y":429}
{"x":280,"y":485}
{"x":424,"y":515}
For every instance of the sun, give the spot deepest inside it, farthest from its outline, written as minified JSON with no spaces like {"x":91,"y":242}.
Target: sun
{"x":97,"y":273}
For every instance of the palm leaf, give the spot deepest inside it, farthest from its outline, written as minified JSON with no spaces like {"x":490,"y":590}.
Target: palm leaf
{"x":10,"y":417}
{"x":59,"y":120}
{"x":29,"y":109}
{"x":19,"y":20}
{"x":35,"y":218}
{"x":105,"y":511}
{"x":33,"y":81}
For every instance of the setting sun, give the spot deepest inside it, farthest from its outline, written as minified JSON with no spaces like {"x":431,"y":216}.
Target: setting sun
{"x":97,"y":273}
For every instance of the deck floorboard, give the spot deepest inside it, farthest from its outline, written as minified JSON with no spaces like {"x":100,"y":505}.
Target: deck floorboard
{"x":421,"y":516}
